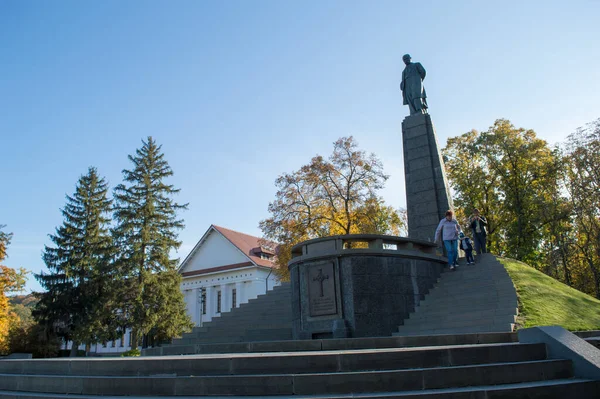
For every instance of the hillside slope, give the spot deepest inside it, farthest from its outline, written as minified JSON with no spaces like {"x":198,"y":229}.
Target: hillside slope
{"x":546,"y":301}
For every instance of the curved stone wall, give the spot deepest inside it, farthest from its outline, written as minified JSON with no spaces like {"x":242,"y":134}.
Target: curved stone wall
{"x":361,"y":285}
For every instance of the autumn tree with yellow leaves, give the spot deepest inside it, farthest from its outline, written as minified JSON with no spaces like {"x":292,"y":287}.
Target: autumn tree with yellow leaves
{"x":542,"y":203}
{"x":11,"y":280}
{"x":330,"y":196}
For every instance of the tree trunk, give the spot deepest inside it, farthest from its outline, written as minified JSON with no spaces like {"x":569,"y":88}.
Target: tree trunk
{"x":134,"y":339}
{"x":74,"y":348}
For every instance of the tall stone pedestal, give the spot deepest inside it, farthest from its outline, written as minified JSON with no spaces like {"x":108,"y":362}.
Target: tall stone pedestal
{"x":427,"y":192}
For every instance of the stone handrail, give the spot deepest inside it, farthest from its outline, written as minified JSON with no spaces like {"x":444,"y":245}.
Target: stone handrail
{"x":364,"y":244}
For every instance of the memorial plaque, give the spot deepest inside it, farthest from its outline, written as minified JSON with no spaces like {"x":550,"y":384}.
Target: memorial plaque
{"x":321,"y":289}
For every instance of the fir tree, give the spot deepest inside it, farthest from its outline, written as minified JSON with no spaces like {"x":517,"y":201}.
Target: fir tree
{"x":145,"y":232}
{"x":77,"y":301}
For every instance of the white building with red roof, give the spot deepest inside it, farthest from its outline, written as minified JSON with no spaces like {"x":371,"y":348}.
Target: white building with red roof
{"x":225,"y":269}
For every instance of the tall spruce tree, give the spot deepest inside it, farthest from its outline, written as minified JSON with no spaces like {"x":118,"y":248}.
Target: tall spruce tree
{"x":77,"y":301}
{"x":145,"y":232}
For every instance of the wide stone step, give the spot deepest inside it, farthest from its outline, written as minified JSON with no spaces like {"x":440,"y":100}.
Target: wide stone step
{"x":337,"y":344}
{"x":455,"y":330}
{"x":468,"y":312}
{"x":293,"y":384}
{"x":475,"y":287}
{"x":477,"y":296}
{"x":479,"y":299}
{"x":595,"y":341}
{"x":468,"y":278}
{"x":461,"y":307}
{"x":252,"y":335}
{"x":243,"y":321}
{"x":448,"y":320}
{"x":279,"y":297}
{"x":254,"y":315}
{"x":245,"y":326}
{"x":485,"y":325}
{"x":278,"y":363}
{"x":551,"y":389}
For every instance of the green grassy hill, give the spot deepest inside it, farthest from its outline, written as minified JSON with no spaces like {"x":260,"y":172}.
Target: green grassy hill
{"x":544,"y":301}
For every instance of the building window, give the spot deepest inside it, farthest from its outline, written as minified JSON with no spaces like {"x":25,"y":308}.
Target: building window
{"x":203,"y":300}
{"x":113,"y":344}
{"x":218,"y":301}
{"x":130,"y":337}
{"x":233,"y":298}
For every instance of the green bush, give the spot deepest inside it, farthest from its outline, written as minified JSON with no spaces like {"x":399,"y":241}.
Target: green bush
{"x":131,"y":353}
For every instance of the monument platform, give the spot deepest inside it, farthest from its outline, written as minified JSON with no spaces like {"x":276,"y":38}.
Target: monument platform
{"x":359,"y":285}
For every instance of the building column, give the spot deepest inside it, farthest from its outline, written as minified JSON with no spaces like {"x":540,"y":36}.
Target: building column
{"x":209,"y":304}
{"x":225,"y":298}
{"x":198,"y":306}
{"x":191,"y":304}
{"x":239,"y":290}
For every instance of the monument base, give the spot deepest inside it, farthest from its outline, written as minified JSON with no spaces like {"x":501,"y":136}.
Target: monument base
{"x":359,"y":285}
{"x":427,"y":191}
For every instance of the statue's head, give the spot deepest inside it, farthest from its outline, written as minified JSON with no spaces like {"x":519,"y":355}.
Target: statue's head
{"x":406,"y":58}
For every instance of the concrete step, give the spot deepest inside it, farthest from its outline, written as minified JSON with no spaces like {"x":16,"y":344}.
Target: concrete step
{"x":462,"y":306}
{"x":476,"y":285}
{"x":464,"y":319}
{"x":469,"y":296}
{"x":251,"y":335}
{"x":294,"y":384}
{"x":247,"y":318}
{"x":587,"y":334}
{"x":467,"y":326}
{"x":595,"y":341}
{"x":248,"y":325}
{"x":254,"y":314}
{"x":551,"y":389}
{"x":450,"y":300}
{"x":277,"y":363}
{"x":464,"y":274}
{"x":467,"y":312}
{"x":454,"y":330}
{"x":336,"y":344}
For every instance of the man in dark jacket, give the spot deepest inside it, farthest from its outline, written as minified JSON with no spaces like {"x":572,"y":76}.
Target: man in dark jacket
{"x":478,"y":224}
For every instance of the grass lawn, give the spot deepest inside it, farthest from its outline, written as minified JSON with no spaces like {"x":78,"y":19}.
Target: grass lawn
{"x":544,"y":301}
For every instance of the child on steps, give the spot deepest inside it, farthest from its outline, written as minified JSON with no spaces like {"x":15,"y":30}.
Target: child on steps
{"x":466,"y":245}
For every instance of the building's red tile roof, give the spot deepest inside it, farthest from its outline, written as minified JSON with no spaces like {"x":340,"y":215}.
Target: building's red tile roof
{"x":248,"y":245}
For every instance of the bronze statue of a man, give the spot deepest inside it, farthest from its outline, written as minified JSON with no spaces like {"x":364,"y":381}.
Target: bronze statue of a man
{"x":413,"y":92}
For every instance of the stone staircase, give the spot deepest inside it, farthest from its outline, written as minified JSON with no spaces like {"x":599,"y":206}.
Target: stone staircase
{"x":474,"y":298}
{"x":264,"y":318}
{"x":436,"y":368}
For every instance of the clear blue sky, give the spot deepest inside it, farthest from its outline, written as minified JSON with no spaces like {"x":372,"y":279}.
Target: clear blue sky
{"x":238,"y":92}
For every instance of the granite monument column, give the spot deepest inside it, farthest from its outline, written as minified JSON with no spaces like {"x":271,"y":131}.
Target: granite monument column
{"x":427,"y":191}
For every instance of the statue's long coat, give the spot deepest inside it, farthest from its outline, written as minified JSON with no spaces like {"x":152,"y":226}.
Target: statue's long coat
{"x":412,"y":82}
